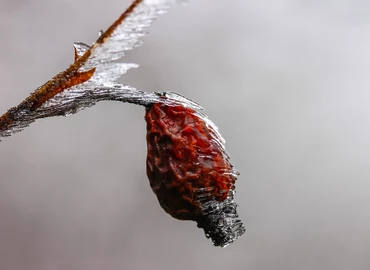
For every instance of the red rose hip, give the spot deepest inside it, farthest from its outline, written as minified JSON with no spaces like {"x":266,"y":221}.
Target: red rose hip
{"x":190,"y":172}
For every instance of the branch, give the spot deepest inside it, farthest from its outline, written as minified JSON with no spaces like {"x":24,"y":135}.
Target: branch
{"x":92,"y":75}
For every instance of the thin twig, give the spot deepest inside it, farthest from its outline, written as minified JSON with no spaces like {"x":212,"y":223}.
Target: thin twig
{"x":92,"y":76}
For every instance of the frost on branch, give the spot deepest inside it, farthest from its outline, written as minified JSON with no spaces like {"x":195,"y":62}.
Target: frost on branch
{"x":91,"y":78}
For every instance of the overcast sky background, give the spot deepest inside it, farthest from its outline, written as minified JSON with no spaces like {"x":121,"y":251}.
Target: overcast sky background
{"x":288,"y":84}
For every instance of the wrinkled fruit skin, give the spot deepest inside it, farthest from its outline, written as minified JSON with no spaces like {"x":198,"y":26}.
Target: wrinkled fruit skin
{"x":189,"y":171}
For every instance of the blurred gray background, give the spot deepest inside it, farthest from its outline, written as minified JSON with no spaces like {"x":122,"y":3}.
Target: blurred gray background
{"x":286,"y":82}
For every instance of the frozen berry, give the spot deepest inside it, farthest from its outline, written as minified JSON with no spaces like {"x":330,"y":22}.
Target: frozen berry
{"x":190,"y":172}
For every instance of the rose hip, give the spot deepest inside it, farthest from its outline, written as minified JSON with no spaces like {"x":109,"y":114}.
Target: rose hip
{"x":190,"y":172}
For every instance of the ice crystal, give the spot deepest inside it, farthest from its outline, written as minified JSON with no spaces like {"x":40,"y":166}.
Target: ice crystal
{"x":92,"y":77}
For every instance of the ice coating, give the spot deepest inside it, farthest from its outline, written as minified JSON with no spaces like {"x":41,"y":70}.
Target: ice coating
{"x":190,"y":172}
{"x":79,"y":97}
{"x":91,"y":78}
{"x":123,"y":37}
